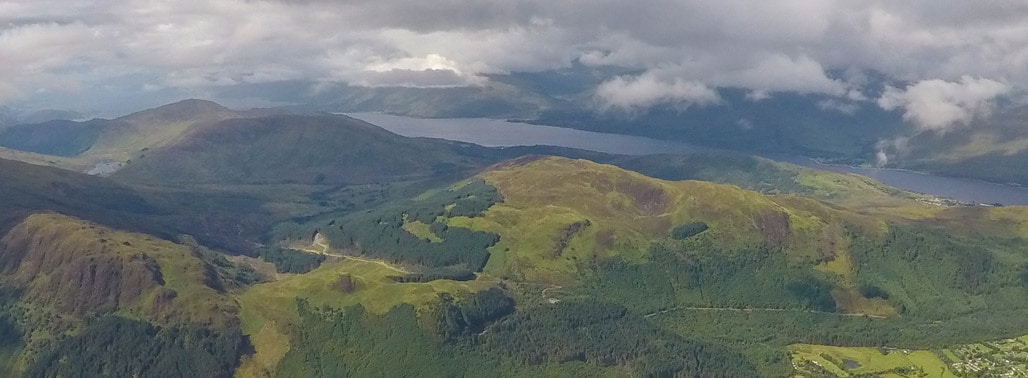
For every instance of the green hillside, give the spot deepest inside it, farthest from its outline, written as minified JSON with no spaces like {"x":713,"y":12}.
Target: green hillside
{"x":360,"y":251}
{"x":321,"y":150}
{"x":716,"y":263}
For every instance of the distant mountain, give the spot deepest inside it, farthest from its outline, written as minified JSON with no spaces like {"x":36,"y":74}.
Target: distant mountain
{"x":994,"y":150}
{"x":841,"y":131}
{"x":40,"y":116}
{"x":837,"y":129}
{"x":12,"y":117}
{"x":114,"y":140}
{"x":321,"y":150}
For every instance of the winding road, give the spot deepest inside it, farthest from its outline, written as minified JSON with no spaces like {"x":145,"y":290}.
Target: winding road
{"x":321,"y":247}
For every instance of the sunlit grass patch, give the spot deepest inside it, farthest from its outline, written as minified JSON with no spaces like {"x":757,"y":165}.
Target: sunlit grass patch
{"x":847,"y":362}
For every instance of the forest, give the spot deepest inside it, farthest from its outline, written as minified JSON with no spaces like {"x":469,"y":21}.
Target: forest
{"x":483,"y":334}
{"x":379,"y":233}
{"x":113,"y":346}
{"x":289,"y":260}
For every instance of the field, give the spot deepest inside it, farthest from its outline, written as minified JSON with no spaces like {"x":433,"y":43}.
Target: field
{"x":846,"y":362}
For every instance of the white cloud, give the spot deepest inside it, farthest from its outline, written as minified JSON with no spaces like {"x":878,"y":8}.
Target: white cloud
{"x":848,"y":108}
{"x":938,"y":105}
{"x":781,"y":73}
{"x":632,"y":94}
{"x":758,"y":95}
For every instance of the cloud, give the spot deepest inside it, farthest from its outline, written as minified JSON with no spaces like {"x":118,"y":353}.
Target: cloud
{"x":427,"y":78}
{"x":632,"y":94}
{"x":781,"y":73}
{"x":939,"y":105}
{"x":891,"y":148}
{"x":68,"y":51}
{"x":758,"y":95}
{"x":848,"y":108}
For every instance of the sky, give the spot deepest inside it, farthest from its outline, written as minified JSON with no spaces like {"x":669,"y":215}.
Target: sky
{"x":950,"y":60}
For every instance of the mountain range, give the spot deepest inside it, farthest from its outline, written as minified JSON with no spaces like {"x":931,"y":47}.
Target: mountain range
{"x":265,"y":243}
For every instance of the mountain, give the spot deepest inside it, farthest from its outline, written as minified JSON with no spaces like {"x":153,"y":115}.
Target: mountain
{"x":76,"y":289}
{"x":86,"y":265}
{"x":323,"y":150}
{"x":688,"y":255}
{"x":46,"y":115}
{"x":11,"y":117}
{"x":86,"y":144}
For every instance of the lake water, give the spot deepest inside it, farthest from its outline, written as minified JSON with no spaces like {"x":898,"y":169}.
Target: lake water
{"x":499,"y":133}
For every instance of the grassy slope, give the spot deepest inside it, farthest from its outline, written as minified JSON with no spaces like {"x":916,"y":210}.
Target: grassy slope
{"x":559,"y":213}
{"x":268,"y":309}
{"x":856,"y":194}
{"x":543,"y":196}
{"x":626,"y":211}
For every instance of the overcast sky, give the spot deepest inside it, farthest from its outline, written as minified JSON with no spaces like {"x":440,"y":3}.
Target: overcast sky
{"x":953,"y":57}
